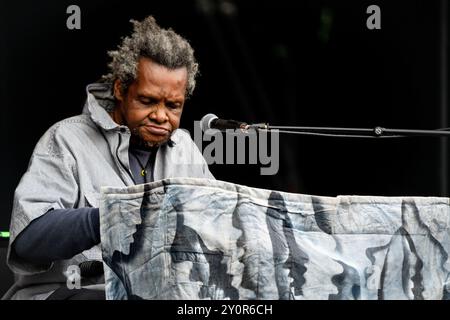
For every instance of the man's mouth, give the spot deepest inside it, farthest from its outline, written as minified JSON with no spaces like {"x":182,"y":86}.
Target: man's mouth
{"x":156,"y":130}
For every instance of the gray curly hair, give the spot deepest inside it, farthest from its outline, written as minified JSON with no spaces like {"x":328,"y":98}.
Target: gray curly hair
{"x":149,"y":40}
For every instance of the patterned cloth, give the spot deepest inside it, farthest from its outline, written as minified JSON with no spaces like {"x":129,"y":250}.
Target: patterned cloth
{"x":186,"y":238}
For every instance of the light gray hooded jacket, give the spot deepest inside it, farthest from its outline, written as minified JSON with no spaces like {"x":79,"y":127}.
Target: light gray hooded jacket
{"x":69,"y":165}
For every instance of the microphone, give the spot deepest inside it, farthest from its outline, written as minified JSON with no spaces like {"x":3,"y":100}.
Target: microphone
{"x":211,"y":121}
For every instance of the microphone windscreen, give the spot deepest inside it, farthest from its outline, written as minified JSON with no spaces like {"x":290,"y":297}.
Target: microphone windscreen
{"x":205,"y":123}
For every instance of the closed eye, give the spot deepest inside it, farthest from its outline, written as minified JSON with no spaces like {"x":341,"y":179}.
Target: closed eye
{"x":148,"y":101}
{"x":173,"y":105}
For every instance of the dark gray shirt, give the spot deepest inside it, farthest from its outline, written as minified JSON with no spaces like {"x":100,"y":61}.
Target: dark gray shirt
{"x":141,"y":160}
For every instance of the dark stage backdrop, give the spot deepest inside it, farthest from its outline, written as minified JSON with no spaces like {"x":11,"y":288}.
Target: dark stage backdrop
{"x":305,"y":63}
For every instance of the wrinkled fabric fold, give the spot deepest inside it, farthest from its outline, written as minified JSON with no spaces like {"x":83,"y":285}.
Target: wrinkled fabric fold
{"x":190,"y":238}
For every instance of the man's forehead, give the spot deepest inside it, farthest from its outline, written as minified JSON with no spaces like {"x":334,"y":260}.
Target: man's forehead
{"x":156,"y":92}
{"x":149,"y":68}
{"x":150,"y":90}
{"x":153,"y":77}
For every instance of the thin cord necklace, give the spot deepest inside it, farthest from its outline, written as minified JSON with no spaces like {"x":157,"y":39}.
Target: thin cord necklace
{"x":143,"y":168}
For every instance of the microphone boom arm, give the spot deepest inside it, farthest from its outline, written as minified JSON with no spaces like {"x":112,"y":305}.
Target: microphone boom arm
{"x":212,"y":121}
{"x":357,"y":132}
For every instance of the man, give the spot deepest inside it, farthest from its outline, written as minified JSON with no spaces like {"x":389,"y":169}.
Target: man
{"x":126,"y":135}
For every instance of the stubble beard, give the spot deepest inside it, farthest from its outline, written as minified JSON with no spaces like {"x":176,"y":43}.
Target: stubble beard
{"x":137,"y":138}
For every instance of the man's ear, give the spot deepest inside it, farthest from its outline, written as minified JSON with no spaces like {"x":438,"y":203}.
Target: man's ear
{"x":118,"y":90}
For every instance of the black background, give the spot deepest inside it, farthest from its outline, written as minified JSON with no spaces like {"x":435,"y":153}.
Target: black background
{"x":304,"y":63}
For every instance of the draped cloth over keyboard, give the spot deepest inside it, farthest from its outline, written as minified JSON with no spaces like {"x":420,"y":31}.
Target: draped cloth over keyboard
{"x":187,"y":238}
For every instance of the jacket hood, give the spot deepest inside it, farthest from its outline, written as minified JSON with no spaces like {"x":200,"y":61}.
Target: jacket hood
{"x":99,"y":102}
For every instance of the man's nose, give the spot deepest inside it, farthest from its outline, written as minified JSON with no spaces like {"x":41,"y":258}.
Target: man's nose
{"x":159,"y":114}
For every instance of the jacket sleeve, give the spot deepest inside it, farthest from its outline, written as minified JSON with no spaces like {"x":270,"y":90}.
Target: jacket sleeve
{"x":58,"y":235}
{"x":50,"y":182}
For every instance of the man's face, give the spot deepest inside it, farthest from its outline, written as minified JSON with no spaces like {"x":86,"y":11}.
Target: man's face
{"x":153,"y":103}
